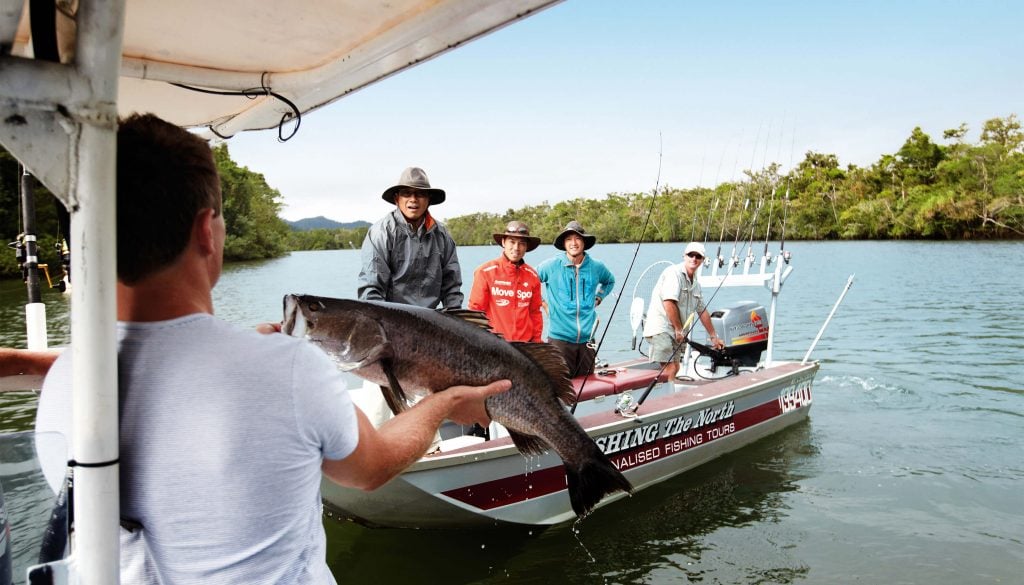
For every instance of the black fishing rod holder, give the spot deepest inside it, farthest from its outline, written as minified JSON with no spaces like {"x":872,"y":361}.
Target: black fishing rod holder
{"x":19,"y":252}
{"x":25,"y":254}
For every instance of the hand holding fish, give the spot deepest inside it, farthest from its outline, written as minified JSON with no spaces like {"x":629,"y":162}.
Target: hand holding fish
{"x":266,"y":328}
{"x":468,"y":401}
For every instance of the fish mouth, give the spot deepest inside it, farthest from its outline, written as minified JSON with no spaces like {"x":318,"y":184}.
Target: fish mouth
{"x":294,"y":323}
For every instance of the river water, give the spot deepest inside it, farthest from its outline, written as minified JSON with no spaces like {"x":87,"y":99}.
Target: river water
{"x":909,"y":469}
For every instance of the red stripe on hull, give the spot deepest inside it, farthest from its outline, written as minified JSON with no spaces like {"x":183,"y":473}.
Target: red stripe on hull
{"x":518,"y":488}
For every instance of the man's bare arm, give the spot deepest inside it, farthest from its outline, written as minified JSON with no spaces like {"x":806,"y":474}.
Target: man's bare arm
{"x":14,"y":362}
{"x":384,"y":453}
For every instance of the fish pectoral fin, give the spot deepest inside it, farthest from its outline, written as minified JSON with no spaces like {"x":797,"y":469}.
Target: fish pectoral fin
{"x":393,"y":393}
{"x":528,"y":444}
{"x":394,"y":403}
{"x":551,"y":361}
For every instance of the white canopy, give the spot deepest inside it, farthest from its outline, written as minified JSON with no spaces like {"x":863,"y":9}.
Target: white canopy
{"x":310,"y":52}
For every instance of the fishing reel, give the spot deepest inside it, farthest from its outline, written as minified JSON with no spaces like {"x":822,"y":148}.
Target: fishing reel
{"x":20,"y":253}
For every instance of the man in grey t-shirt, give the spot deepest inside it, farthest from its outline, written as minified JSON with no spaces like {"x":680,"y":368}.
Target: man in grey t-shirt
{"x":224,"y":433}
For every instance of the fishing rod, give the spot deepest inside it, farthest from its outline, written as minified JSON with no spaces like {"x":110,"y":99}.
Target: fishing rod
{"x":700,"y":182}
{"x":753,"y":226}
{"x":767,"y":140}
{"x":693,"y":226}
{"x":707,"y":225}
{"x":768,"y":230}
{"x":782,"y":243}
{"x":734,"y":260}
{"x":785,"y":208}
{"x":721,"y":234}
{"x":714,"y":206}
{"x":636,"y":251}
{"x":719,"y":259}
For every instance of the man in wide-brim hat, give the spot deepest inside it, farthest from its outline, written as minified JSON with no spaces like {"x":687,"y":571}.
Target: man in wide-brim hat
{"x":574,"y":227}
{"x":507,"y":289}
{"x":574,"y":283}
{"x":408,"y":257}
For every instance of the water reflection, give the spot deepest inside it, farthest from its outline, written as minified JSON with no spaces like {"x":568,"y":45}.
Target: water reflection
{"x":28,"y":497}
{"x":718,"y":523}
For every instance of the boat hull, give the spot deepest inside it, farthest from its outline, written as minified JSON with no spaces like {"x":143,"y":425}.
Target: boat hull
{"x":679,"y":427}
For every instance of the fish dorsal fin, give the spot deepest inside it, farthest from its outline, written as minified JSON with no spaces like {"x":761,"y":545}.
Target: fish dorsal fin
{"x":551,"y":361}
{"x":478,"y":318}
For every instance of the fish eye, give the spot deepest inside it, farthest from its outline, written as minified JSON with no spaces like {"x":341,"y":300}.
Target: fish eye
{"x":314,"y":307}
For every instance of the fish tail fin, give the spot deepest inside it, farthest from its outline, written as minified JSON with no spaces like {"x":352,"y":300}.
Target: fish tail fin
{"x":527,"y":444}
{"x":592,"y":479}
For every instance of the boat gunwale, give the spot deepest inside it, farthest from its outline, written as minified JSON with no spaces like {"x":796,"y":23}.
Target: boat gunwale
{"x":602,"y":423}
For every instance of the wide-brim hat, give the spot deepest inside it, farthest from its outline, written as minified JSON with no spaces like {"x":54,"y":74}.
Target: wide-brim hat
{"x":414,"y":178}
{"x":518,"y":229}
{"x":574,"y":227}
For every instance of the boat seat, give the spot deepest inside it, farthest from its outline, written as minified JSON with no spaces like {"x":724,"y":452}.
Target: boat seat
{"x":607,"y":382}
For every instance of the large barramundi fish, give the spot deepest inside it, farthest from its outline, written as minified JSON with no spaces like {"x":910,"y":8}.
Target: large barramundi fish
{"x":414,"y":351}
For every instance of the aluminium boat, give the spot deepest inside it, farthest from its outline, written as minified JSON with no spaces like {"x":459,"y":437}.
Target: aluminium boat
{"x":651,"y":430}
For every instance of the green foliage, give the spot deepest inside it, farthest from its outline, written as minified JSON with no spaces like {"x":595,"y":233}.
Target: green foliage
{"x":923,"y":190}
{"x":251,"y":209}
{"x":919,"y":157}
{"x":327,"y":239}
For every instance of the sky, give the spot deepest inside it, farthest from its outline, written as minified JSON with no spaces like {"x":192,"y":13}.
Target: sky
{"x":591,"y":97}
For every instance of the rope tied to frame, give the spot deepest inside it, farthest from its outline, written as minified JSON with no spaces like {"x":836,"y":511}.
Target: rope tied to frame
{"x":252,"y":93}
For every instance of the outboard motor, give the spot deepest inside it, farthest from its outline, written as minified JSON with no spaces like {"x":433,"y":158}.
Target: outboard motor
{"x":743,"y":328}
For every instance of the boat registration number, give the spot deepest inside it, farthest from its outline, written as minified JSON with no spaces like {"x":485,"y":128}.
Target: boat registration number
{"x":794,"y":397}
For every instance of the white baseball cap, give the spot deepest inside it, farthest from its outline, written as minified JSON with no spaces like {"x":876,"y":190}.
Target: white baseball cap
{"x":695,"y":247}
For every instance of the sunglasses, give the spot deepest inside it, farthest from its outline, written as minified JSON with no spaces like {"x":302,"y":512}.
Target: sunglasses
{"x":412,"y":193}
{"x":695,"y":255}
{"x":521,"y":230}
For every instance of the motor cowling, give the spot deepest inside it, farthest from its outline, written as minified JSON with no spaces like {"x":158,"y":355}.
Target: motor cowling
{"x":743,"y":327}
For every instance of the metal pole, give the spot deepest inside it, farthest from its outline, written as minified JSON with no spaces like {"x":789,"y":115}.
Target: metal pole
{"x":776,"y":288}
{"x":28,"y":224}
{"x":94,"y":315}
{"x":846,"y":289}
{"x":35,"y":310}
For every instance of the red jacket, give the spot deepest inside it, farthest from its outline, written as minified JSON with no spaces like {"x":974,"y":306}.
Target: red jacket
{"x":510,"y":296}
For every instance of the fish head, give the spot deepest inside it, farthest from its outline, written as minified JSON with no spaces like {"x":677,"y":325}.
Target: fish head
{"x":341,"y":327}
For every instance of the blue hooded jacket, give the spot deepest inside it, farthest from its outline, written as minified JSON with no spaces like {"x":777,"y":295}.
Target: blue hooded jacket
{"x":572,"y":295}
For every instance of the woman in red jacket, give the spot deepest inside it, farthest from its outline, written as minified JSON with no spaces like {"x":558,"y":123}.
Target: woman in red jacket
{"x":507,"y":289}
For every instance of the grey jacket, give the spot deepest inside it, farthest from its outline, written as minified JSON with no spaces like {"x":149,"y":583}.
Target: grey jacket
{"x":413,"y":267}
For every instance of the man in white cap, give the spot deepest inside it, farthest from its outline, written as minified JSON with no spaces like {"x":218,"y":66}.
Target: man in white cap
{"x":408,"y":257}
{"x":675,"y":299}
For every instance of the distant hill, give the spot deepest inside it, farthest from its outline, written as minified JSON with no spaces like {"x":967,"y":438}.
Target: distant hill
{"x":321,"y":222}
